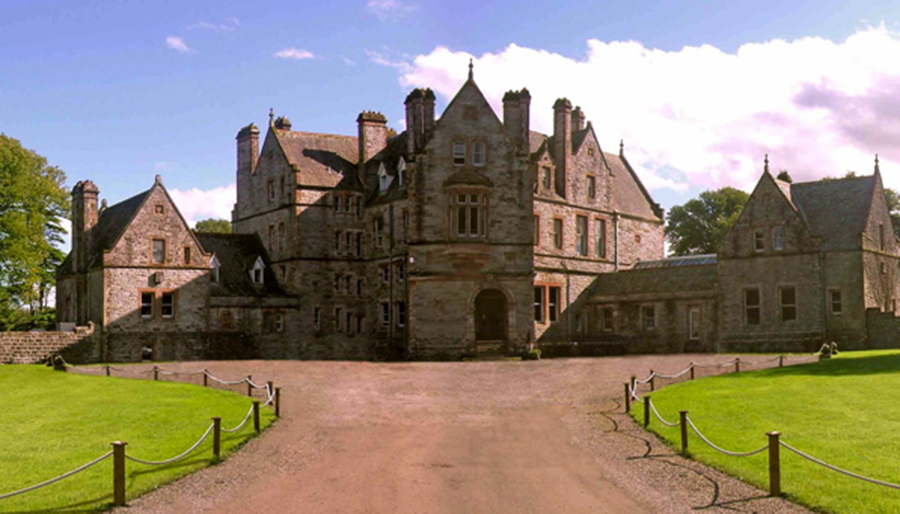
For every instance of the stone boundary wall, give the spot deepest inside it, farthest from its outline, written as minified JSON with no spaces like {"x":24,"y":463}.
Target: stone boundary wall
{"x":883,"y":329}
{"x":78,"y":347}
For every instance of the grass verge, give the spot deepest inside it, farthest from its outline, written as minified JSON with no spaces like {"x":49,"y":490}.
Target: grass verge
{"x":844,"y":411}
{"x":54,"y":422}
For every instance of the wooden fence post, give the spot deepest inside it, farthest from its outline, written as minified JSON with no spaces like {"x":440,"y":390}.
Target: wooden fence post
{"x":277,"y":402}
{"x":652,"y":381}
{"x":270,"y":390}
{"x":737,"y":365}
{"x":627,"y":398}
{"x":119,"y":473}
{"x":781,"y":361}
{"x":684,"y":434}
{"x":256,"y":416}
{"x":774,"y":464}
{"x":155,"y":372}
{"x":217,"y":437}
{"x":692,"y":371}
{"x":249,"y":386}
{"x":634,"y":382}
{"x":205,"y":378}
{"x":646,"y":411}
{"x":107,"y":370}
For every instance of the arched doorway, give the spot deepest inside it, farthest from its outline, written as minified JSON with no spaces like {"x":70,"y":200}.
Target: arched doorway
{"x":490,"y":320}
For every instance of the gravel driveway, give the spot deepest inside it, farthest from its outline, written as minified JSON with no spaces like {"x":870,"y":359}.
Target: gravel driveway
{"x":505,"y":436}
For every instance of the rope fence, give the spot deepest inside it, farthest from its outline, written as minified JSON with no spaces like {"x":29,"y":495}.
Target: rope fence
{"x":775,"y":443}
{"x":273,"y":398}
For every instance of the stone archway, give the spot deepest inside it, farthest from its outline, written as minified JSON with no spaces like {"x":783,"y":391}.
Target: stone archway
{"x":491,"y":321}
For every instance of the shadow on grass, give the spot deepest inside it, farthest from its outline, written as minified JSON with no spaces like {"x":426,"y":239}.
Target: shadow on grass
{"x":72,"y":507}
{"x":842,"y":366}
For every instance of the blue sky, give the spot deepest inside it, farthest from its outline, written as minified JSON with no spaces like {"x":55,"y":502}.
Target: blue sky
{"x":120,"y":91}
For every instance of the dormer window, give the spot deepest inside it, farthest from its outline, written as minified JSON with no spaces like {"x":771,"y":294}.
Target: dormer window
{"x":214,"y":273}
{"x":459,"y":154}
{"x":401,"y":172}
{"x":257,"y":273}
{"x":546,"y":178}
{"x":384,"y":180}
{"x":479,"y":153}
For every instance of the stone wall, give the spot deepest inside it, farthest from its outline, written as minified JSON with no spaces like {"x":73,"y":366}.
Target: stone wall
{"x":77,"y":347}
{"x":883,"y":328}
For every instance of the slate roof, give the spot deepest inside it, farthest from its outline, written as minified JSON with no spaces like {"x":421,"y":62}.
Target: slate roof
{"x":678,"y":262}
{"x":835,"y":210}
{"x":236,"y":254}
{"x":115,"y":219}
{"x":389,"y":156}
{"x":322,"y":159}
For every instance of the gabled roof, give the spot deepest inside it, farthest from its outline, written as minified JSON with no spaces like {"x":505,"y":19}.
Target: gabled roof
{"x":835,"y":210}
{"x":114,"y":220}
{"x":322,"y":159}
{"x":389,"y":156}
{"x":237,"y":253}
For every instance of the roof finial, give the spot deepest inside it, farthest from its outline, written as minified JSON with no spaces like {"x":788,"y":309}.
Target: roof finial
{"x":876,"y":164}
{"x":271,"y":115}
{"x":766,"y":168}
{"x":621,"y":148}
{"x":471,"y":66}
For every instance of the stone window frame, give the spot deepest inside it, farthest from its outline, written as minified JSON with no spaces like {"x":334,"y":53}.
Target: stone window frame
{"x":270,"y":189}
{"x":405,"y":225}
{"x":559,"y":237}
{"x":475,"y":144}
{"x":359,"y":288}
{"x":539,"y":304}
{"x":583,"y":240}
{"x":782,"y":306}
{"x":384,"y":313}
{"x":835,"y":298}
{"x":759,"y":240}
{"x":162,"y":305}
{"x":459,"y":159}
{"x":152,"y":293}
{"x":186,"y":255}
{"x":401,"y":272}
{"x":482,"y":206}
{"x":159,"y":209}
{"x":649,"y":317}
{"x":758,"y":307}
{"x":608,"y":323}
{"x":378,"y":231}
{"x":591,"y":186}
{"x":778,"y":238}
{"x":384,"y":272}
{"x":165,"y":250}
{"x":338,"y":318}
{"x":336,"y":202}
{"x":214,"y":275}
{"x":601,"y":228}
{"x":258,"y":265}
{"x":537,"y":229}
{"x":348,"y":323}
{"x":360,"y":326}
{"x":694,"y":328}
{"x":401,"y":313}
{"x":554,"y":311}
{"x":550,"y":314}
{"x":317,"y":318}
{"x":546,"y":172}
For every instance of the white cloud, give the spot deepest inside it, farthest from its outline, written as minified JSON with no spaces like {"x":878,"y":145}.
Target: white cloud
{"x":817,"y":107}
{"x":348,"y":61}
{"x":199,"y":204}
{"x":178,"y":44}
{"x":229,"y":25}
{"x":389,"y":9}
{"x":294,"y":53}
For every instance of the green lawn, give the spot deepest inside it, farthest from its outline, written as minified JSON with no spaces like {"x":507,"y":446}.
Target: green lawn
{"x":845,"y":411}
{"x":53,"y":422}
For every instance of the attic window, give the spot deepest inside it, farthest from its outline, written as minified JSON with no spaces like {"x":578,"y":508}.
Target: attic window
{"x":256,"y":274}
{"x":401,"y":172}
{"x":214,"y":274}
{"x":384,"y":180}
{"x":159,"y":209}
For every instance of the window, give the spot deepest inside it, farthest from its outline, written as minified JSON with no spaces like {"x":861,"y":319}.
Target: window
{"x":553,"y":298}
{"x":159,"y":209}
{"x":539,"y":306}
{"x":349,"y":324}
{"x":835,"y":302}
{"x":537,"y":230}
{"x":479,"y":152}
{"x":214,"y":274}
{"x":601,"y":239}
{"x":338,"y":284}
{"x":146,"y":305}
{"x":358,"y":244}
{"x":348,"y":244}
{"x":338,"y":317}
{"x":788,"y":299}
{"x":648,"y":315}
{"x":778,"y":239}
{"x":359,"y":323}
{"x":606,"y":320}
{"x":581,"y":233}
{"x":385,"y":314}
{"x":459,"y":154}
{"x":337,"y":242}
{"x":881,"y":243}
{"x":226,"y":320}
{"x":159,"y":251}
{"x":558,"y":233}
{"x":694,"y":324}
{"x":546,"y":178}
{"x":167,"y":305}
{"x":348,"y":284}
{"x":591,"y":187}
{"x":187,"y":254}
{"x":468,"y":211}
{"x":405,"y":225}
{"x":357,"y":206}
{"x":256,"y":274}
{"x":279,"y":322}
{"x":401,"y":273}
{"x":271,"y":189}
{"x":271,"y":237}
{"x":338,"y":200}
{"x":401,"y":314}
{"x":751,"y":306}
{"x":359,"y":287}
{"x":759,"y":241}
{"x":385,"y":274}
{"x":317,"y":318}
{"x":637,"y":239}
{"x":347,"y":201}
{"x":378,"y":229}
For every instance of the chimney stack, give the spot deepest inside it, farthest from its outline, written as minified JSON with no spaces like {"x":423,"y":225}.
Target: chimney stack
{"x":84,"y":218}
{"x":562,"y":141}
{"x":247,"y":155}
{"x":516,"y":106}
{"x":372,"y":136}
{"x":577,"y":119}
{"x":283,"y":123}
{"x":419,"y":118}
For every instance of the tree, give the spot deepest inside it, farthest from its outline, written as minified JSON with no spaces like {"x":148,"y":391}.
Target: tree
{"x":33,"y":203}
{"x":892,"y":197}
{"x":700,"y":225}
{"x":785,"y":177}
{"x":213,"y":225}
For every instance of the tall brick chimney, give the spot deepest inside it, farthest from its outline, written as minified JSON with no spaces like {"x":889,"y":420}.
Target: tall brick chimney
{"x":419,"y":118}
{"x":247,"y":155}
{"x":577,"y":119}
{"x":562,"y":141}
{"x":84,"y":218}
{"x":372,"y":136}
{"x":516,"y":107}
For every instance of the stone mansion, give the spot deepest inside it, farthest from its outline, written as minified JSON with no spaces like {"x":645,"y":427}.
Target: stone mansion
{"x":468,"y":234}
